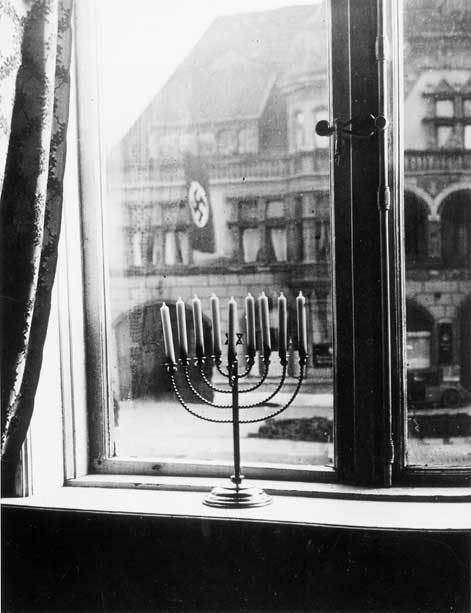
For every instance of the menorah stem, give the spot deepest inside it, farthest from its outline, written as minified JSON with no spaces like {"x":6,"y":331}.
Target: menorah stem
{"x":236,"y":478}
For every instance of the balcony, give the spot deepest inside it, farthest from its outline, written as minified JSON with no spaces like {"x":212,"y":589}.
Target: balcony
{"x":282,"y":166}
{"x":234,"y":168}
{"x":417,"y":161}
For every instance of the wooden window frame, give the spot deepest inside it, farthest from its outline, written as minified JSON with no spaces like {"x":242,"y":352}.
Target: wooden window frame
{"x":370,"y":414}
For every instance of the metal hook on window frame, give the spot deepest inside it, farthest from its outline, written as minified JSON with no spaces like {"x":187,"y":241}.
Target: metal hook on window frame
{"x":346,"y":128}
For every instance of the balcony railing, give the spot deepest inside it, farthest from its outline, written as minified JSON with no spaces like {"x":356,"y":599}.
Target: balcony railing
{"x":243,"y":168}
{"x":234,"y":168}
{"x":441,"y":161}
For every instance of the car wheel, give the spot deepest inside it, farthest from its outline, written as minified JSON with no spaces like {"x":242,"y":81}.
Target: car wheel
{"x":451,"y":398}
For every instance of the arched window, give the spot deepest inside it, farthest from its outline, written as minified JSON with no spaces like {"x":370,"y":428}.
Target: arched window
{"x":416,"y":228}
{"x":299,"y":136}
{"x":456,"y":229}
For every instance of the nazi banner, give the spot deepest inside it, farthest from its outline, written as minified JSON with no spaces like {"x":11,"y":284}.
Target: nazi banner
{"x":199,"y":203}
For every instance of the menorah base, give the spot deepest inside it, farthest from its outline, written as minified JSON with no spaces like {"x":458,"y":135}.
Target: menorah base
{"x":234,"y":496}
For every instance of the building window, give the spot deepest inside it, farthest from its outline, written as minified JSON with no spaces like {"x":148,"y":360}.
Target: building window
{"x":206,"y":143}
{"x":252,"y":198}
{"x":445,"y":137}
{"x":137,"y":259}
{"x":276,"y":230}
{"x":456,"y":229}
{"x":450,"y":116}
{"x":262,"y":226}
{"x":250,"y":244}
{"x":227,"y":142}
{"x":299,"y":131}
{"x":467,"y":136}
{"x":445,"y":108}
{"x":248,"y":140}
{"x":416,"y":229}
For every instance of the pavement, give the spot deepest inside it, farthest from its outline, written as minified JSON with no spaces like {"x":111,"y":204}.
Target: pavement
{"x":162,"y":428}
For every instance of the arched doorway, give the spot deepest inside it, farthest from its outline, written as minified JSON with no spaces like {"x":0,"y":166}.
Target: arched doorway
{"x":420,"y":326}
{"x":456,"y":229}
{"x":140,"y":353}
{"x":416,"y":214}
{"x":464,"y":321}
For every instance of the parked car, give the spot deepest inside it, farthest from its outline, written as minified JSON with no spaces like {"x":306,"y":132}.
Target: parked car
{"x":429,"y":387}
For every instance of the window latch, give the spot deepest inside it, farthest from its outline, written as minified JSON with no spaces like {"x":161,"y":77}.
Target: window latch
{"x":360,"y":128}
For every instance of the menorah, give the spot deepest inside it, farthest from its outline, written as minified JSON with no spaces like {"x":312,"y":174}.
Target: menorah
{"x":236,"y":494}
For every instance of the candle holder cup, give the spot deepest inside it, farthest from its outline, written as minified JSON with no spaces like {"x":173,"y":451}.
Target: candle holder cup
{"x":235,"y":494}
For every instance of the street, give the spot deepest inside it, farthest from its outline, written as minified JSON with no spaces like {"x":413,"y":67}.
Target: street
{"x":162,"y":428}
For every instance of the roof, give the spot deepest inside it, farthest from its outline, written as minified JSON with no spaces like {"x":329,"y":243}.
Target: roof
{"x":229,"y":73}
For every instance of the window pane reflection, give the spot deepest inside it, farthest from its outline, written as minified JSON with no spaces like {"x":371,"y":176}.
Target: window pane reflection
{"x":437,"y":202}
{"x":216,"y":183}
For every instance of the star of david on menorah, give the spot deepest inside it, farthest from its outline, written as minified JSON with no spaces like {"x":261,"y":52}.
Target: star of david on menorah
{"x":237,"y":494}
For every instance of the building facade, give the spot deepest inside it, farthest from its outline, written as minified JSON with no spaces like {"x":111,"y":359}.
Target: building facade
{"x":244,"y":104}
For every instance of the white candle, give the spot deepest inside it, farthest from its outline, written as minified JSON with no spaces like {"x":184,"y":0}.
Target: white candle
{"x":264,"y":323}
{"x":181,"y":326}
{"x":302,"y":327}
{"x":198,"y":325}
{"x":231,"y":336}
{"x":216,"y":319}
{"x":250,"y":323}
{"x":282,"y":326}
{"x":168,"y":337}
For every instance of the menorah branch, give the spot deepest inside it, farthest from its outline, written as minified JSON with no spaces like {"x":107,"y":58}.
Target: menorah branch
{"x":235,"y":495}
{"x":229,"y":391}
{"x":217,"y":405}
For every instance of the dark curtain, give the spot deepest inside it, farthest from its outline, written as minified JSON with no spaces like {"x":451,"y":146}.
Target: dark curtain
{"x":34,"y":98}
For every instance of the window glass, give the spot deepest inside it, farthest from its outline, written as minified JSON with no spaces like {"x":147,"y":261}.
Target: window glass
{"x":444,"y":108}
{"x":467,"y":107}
{"x":225,"y":80}
{"x":279,"y":243}
{"x":437,"y":220}
{"x":251,"y":244}
{"x":299,"y":130}
{"x":248,"y":140}
{"x":444,"y":137}
{"x":227,"y":142}
{"x":467,"y":137}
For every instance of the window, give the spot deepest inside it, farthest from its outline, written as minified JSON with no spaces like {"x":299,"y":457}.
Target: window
{"x":299,"y":131}
{"x":269,"y":222}
{"x":467,"y":137}
{"x":248,"y":140}
{"x":449,"y":112}
{"x":227,"y":141}
{"x":445,"y":137}
{"x":445,"y":108}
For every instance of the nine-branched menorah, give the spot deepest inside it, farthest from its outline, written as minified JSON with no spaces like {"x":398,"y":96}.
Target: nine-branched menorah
{"x":236,"y":494}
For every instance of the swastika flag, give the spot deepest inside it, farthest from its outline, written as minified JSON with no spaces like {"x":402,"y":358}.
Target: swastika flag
{"x":199,"y":203}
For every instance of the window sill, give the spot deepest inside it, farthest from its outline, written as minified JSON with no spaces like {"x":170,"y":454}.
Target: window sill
{"x":325,"y":505}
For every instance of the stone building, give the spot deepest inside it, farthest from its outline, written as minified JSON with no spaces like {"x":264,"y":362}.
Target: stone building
{"x":244,"y":104}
